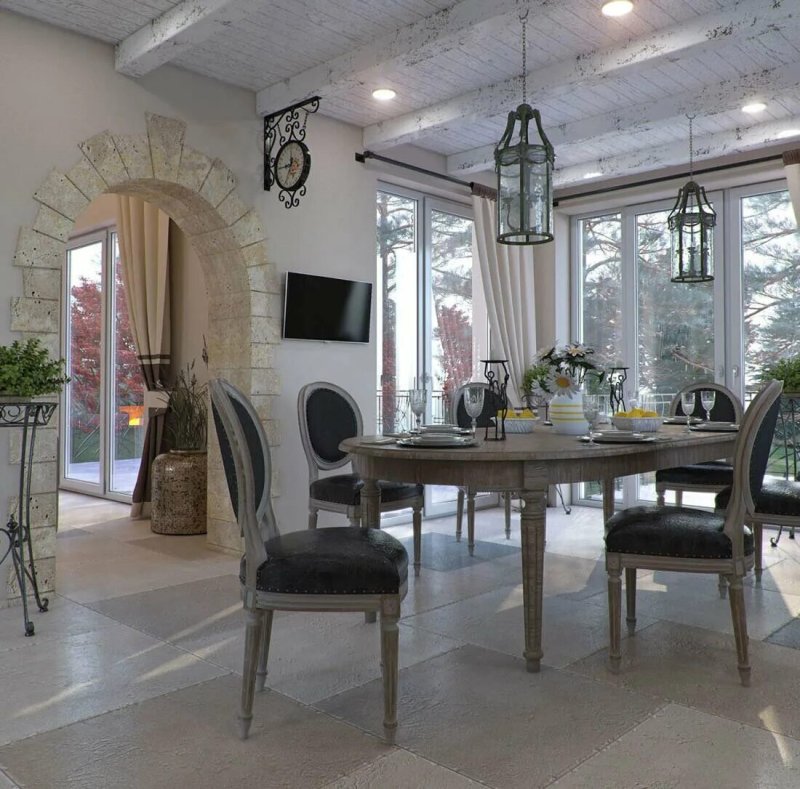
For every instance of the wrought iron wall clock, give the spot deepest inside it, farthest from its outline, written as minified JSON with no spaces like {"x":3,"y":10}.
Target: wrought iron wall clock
{"x":287,"y":160}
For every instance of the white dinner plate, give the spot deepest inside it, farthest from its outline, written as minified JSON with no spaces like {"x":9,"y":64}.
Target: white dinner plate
{"x":715,"y":427}
{"x":621,"y":437}
{"x":437,"y":440}
{"x":681,"y":420}
{"x":449,"y":429}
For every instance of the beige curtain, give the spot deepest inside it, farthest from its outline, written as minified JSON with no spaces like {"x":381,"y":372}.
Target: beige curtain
{"x":791,"y":164}
{"x":507,"y":273}
{"x":144,"y":255}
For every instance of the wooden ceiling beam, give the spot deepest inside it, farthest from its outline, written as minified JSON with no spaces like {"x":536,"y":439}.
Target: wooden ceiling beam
{"x":166,"y":37}
{"x":746,"y":20}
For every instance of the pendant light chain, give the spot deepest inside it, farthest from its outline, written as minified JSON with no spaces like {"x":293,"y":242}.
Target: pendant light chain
{"x":691,"y":147}
{"x":523,"y":17}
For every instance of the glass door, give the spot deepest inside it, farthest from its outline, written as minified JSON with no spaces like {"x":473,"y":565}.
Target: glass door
{"x":431,"y":316}
{"x":103,"y":419}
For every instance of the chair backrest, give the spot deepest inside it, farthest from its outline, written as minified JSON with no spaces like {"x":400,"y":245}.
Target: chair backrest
{"x":460,"y":415}
{"x":727,"y":406}
{"x":246,"y":460}
{"x":750,"y":461}
{"x":327,"y":415}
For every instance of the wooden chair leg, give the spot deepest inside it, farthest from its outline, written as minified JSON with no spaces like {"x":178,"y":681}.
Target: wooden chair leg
{"x":722,"y":585}
{"x":263,"y":652}
{"x":614,"y":618}
{"x":678,"y":498}
{"x":659,"y":496}
{"x":471,"y":522}
{"x":739,"y":617}
{"x":759,"y":551}
{"x":252,"y":642}
{"x":459,"y":513}
{"x":630,"y":599}
{"x":312,"y":517}
{"x":417,"y":526}
{"x":390,"y":614}
{"x":507,"y":501}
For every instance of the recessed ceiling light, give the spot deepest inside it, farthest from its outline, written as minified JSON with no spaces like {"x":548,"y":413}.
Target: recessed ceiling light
{"x":592,"y":175}
{"x":383,"y":94}
{"x":617,"y":7}
{"x":754,"y":107}
{"x":788,"y":133}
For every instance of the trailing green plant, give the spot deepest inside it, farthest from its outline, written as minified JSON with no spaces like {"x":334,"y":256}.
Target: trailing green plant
{"x":28,"y":370}
{"x":786,"y":370}
{"x":187,"y":421}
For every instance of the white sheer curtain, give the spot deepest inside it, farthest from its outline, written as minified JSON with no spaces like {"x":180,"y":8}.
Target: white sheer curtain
{"x":791,"y":165}
{"x":507,"y":273}
{"x":144,"y":257}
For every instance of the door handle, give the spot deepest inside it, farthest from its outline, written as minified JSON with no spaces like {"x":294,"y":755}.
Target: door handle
{"x":735,"y":370}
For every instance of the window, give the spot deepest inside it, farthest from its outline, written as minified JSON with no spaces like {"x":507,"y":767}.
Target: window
{"x":671,"y":334}
{"x":103,"y":415}
{"x":432,"y":325}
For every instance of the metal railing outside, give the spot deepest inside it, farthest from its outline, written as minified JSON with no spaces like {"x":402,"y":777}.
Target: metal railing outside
{"x":397,"y":417}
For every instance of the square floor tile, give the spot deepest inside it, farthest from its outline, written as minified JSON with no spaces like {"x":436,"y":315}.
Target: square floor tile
{"x":479,"y":712}
{"x":787,"y":636}
{"x":441,"y":551}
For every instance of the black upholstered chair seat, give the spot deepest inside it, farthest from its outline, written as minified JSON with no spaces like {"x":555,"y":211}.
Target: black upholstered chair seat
{"x":671,"y":531}
{"x":334,"y":560}
{"x":346,"y":489}
{"x":715,"y":472}
{"x":777,"y":497}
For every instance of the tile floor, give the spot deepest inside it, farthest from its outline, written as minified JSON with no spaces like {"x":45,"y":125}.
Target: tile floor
{"x":132,"y":679}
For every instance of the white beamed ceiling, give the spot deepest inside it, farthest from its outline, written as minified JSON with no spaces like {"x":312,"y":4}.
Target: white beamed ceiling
{"x":613,"y":93}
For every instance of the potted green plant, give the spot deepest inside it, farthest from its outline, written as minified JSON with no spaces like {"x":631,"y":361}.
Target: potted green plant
{"x":786,"y":370}
{"x":27,"y":370}
{"x":179,"y":476}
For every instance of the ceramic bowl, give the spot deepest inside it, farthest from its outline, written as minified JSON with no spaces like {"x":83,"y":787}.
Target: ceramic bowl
{"x":639,"y":424}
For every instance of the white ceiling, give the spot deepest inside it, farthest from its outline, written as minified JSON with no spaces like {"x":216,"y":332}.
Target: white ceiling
{"x":613,"y":93}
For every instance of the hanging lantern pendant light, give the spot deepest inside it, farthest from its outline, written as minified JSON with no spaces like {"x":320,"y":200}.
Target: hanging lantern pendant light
{"x":691,"y":225}
{"x":524,"y":173}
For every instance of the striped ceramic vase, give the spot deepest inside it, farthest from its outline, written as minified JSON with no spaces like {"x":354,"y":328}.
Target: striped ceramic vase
{"x":566,"y":414}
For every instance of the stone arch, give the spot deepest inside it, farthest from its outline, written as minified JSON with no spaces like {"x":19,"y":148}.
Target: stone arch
{"x":199,"y":194}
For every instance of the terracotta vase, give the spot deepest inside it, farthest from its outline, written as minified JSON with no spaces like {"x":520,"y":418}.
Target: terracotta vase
{"x":566,"y":414}
{"x":179,"y":493}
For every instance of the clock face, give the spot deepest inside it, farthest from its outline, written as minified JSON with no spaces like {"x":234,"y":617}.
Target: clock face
{"x":292,"y":165}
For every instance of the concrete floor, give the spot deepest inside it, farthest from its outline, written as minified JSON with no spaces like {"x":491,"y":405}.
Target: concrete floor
{"x":132,"y":679}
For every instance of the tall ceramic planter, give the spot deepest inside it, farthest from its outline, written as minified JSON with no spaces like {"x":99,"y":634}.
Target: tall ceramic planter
{"x":566,"y":414}
{"x":179,"y":493}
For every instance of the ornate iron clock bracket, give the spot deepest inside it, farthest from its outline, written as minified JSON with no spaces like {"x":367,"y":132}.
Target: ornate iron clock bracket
{"x":280,"y":128}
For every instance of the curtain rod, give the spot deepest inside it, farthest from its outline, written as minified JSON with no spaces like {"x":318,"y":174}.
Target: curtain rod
{"x":663,"y":178}
{"x":473,"y":186}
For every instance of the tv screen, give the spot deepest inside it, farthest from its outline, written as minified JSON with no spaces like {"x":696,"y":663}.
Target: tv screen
{"x":326,"y":308}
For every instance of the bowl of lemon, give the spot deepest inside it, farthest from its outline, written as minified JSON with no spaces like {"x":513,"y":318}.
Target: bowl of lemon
{"x":520,"y":420}
{"x":639,"y":420}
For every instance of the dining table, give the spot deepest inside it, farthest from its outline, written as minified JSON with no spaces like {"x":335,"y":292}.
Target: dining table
{"x":527,"y":464}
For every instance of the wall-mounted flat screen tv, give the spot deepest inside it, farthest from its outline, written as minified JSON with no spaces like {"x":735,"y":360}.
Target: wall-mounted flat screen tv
{"x":326,"y":308}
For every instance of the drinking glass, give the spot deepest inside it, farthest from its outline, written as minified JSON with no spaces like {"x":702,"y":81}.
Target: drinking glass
{"x":473,"y":403}
{"x":707,"y":399}
{"x":591,"y":410}
{"x":687,"y":405}
{"x":418,"y":399}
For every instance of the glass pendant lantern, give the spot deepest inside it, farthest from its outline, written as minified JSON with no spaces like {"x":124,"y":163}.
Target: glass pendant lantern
{"x":524,"y":174}
{"x":691,"y":225}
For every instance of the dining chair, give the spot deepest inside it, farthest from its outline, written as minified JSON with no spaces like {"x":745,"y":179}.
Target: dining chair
{"x":778,"y":504}
{"x":462,"y":419}
{"x":327,"y":415}
{"x":682,"y":539}
{"x":330,"y":569}
{"x":711,"y":476}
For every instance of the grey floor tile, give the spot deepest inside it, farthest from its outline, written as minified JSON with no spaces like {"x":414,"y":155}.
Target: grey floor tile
{"x":787,"y":636}
{"x":5,"y":781}
{"x":60,"y":681}
{"x":679,"y":747}
{"x":480,"y":712}
{"x":188,"y":739}
{"x":697,"y":668}
{"x":441,"y":551}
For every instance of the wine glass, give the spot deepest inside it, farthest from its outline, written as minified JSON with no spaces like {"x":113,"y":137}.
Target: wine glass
{"x":591,"y":410}
{"x":418,"y":399}
{"x":707,"y":399}
{"x":687,"y":406}
{"x":473,"y":403}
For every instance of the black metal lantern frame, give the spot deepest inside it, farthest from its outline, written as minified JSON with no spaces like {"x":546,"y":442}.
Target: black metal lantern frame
{"x":495,"y":371}
{"x":691,"y":225}
{"x":616,"y":382}
{"x":524,"y":173}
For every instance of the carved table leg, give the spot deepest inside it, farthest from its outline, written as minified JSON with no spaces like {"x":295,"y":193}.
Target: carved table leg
{"x":608,"y":499}
{"x":532,"y":527}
